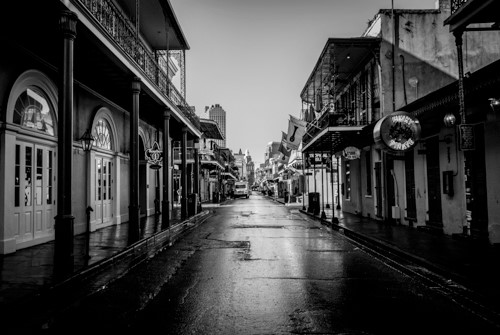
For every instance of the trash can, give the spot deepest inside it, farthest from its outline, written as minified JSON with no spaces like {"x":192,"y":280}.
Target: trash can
{"x":313,"y":203}
{"x":192,"y":204}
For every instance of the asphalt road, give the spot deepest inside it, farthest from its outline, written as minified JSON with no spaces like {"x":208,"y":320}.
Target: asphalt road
{"x":257,"y":267}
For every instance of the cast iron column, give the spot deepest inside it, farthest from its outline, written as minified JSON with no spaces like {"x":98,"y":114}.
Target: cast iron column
{"x":166,"y":170}
{"x":461,"y":98}
{"x":134,"y":208}
{"x":303,"y":183}
{"x":196,"y":188}
{"x":460,"y":59}
{"x":64,"y":221}
{"x":323,"y":214}
{"x":334,"y":219}
{"x":184,"y":174}
{"x":338,"y":184}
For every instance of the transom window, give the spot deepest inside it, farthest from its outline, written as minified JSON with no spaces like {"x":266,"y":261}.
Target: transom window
{"x":102,"y":135}
{"x":32,"y":110}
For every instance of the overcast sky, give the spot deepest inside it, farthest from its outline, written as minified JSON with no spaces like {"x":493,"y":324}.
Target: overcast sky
{"x":253,"y":57}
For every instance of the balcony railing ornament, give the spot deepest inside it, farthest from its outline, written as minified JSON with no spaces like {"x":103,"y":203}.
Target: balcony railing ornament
{"x":456,"y":5}
{"x":123,"y":32}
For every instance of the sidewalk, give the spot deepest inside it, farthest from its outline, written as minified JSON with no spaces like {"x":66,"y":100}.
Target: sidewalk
{"x":472,"y":264}
{"x":29,"y":272}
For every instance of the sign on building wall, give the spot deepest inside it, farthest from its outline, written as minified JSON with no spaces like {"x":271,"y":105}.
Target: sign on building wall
{"x":351,"y":153}
{"x":467,"y":138}
{"x":397,"y":132}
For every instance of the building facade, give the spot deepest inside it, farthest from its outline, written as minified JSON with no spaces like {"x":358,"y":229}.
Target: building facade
{"x":87,"y":67}
{"x":393,"y":73}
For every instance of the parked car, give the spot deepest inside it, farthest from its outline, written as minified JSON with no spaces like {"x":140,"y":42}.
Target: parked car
{"x":241,"y":189}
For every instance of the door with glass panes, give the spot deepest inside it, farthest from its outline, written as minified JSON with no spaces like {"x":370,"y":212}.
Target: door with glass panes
{"x":103,"y":189}
{"x":34,"y":192}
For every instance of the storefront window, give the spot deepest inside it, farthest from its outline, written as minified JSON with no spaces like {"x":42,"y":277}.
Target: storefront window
{"x":32,"y":110}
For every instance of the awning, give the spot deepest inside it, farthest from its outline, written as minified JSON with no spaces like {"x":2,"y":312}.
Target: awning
{"x":212,"y":163}
{"x":479,"y":86}
{"x":210,"y":129}
{"x":333,"y":139}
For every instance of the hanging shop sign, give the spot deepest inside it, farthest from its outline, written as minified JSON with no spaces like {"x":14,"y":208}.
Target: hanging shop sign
{"x":318,"y":159}
{"x":397,"y":132}
{"x":351,"y":153}
{"x":154,"y":156}
{"x":467,"y":138}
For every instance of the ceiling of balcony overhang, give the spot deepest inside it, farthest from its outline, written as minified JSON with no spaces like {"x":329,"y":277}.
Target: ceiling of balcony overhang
{"x":210,"y":129}
{"x":334,"y":141}
{"x":154,"y":16}
{"x":474,"y":12}
{"x":339,"y":60}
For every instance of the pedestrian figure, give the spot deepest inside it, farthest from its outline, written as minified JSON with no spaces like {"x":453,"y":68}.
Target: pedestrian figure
{"x":179,"y":195}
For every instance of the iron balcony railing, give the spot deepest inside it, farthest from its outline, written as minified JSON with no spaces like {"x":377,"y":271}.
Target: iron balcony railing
{"x":217,"y":157}
{"x":123,"y":32}
{"x":456,"y":4}
{"x":336,"y":119}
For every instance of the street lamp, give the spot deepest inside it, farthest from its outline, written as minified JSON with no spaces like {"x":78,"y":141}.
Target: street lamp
{"x":87,"y":140}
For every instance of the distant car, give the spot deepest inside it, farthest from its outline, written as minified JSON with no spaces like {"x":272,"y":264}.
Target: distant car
{"x":241,"y":189}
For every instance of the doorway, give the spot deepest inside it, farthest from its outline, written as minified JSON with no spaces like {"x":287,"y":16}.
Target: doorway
{"x":435,"y":217}
{"x":103,"y":189}
{"x":34,"y":192}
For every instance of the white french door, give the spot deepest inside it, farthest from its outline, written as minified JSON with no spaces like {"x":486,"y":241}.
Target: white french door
{"x":34,"y":192}
{"x":103,"y":189}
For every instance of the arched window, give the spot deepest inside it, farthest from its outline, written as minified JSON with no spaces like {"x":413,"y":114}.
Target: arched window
{"x":32,"y":110}
{"x":102,"y":135}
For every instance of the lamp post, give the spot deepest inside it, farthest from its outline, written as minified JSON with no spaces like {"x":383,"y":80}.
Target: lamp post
{"x":87,"y":141}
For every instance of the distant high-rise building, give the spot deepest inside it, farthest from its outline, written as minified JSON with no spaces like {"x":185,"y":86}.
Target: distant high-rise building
{"x":216,"y":113}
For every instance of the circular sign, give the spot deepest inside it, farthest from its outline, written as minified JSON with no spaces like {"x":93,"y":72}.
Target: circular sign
{"x":397,"y":132}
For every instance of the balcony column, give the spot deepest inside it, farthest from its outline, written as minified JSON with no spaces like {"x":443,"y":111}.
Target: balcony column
{"x":134,"y":208}
{"x":460,"y":58}
{"x":184,"y":174}
{"x":334,"y":219}
{"x":196,"y":182}
{"x":323,"y":214}
{"x":166,"y":170}
{"x":64,"y":221}
{"x":461,"y":100}
{"x":338,"y":184}
{"x":303,"y":182}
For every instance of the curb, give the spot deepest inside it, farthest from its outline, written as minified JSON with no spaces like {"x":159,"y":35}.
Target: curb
{"x":381,"y":246}
{"x":94,"y":278}
{"x":138,"y":251}
{"x":437,"y":278}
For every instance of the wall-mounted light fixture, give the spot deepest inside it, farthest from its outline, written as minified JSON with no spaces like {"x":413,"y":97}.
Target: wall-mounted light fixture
{"x":495,"y":104}
{"x":449,"y":120}
{"x":87,"y":140}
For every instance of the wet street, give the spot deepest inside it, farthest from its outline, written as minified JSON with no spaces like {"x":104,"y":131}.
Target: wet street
{"x":258,"y":267}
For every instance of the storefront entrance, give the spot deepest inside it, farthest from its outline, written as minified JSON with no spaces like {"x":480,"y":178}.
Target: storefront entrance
{"x":103,"y":188}
{"x":34,"y":193}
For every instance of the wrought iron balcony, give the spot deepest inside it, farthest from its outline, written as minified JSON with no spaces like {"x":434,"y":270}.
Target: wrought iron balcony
{"x":341,"y":118}
{"x":456,"y":4}
{"x":124,"y":33}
